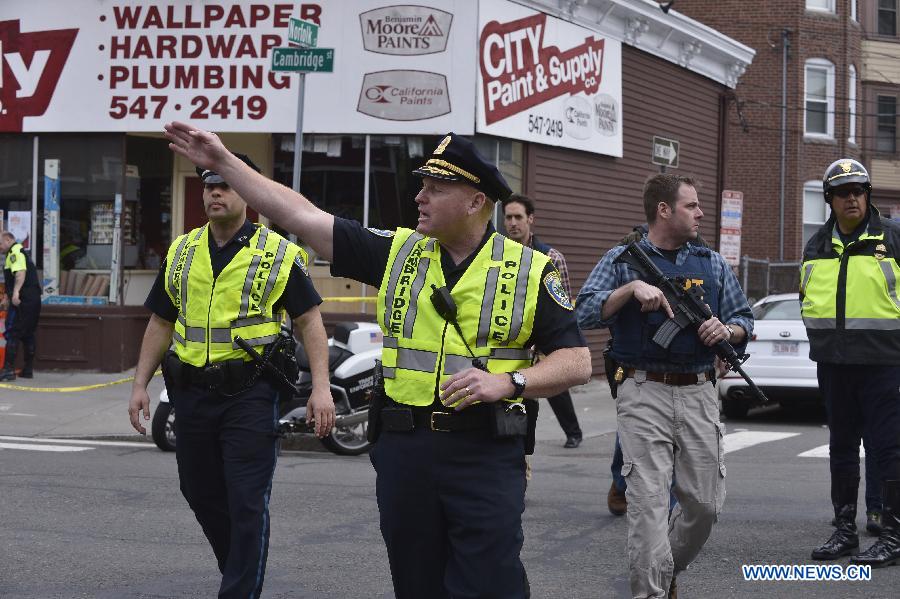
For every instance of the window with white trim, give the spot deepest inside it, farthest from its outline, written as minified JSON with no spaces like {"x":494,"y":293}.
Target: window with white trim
{"x":851,"y":95}
{"x":819,"y":99}
{"x":822,"y":5}
{"x":815,"y":210}
{"x":853,"y":14}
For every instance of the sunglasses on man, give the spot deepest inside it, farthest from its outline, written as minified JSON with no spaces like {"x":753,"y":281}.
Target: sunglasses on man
{"x":844,"y":192}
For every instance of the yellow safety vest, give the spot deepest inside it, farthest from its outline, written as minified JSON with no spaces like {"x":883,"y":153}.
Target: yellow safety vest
{"x":239,"y":302}
{"x":496,"y":299}
{"x":849,"y":298}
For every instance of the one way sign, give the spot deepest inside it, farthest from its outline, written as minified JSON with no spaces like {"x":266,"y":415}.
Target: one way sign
{"x":665,"y":152}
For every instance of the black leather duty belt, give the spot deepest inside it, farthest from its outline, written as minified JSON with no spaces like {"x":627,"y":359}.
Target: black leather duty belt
{"x":398,"y":417}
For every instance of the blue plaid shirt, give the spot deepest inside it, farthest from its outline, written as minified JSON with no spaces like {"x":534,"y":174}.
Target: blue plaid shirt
{"x":607,"y":277}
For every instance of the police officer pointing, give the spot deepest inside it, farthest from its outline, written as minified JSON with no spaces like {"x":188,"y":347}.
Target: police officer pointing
{"x":23,"y":306}
{"x":221,"y":295}
{"x":851,"y":309}
{"x":459,"y":305}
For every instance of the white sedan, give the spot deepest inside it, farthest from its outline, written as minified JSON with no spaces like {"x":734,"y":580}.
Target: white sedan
{"x":779,"y":361}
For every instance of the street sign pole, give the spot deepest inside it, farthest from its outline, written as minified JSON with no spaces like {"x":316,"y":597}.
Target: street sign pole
{"x":298,"y":134}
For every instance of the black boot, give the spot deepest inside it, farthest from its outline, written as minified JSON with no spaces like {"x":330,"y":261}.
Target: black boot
{"x":844,"y":539}
{"x":886,"y":550}
{"x":9,"y":371}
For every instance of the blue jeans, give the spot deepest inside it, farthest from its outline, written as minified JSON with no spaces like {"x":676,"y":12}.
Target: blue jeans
{"x":619,"y":480}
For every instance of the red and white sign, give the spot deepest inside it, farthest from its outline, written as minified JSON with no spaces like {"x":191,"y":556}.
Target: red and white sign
{"x":731,"y":215}
{"x":546,"y":80}
{"x":132,"y":65}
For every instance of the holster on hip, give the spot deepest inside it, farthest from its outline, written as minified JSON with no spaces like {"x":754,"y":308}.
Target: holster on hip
{"x":173,"y":371}
{"x":508,"y":420}
{"x":377,"y":401}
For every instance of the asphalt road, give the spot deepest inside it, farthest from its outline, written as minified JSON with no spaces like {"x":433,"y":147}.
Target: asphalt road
{"x":107,"y":521}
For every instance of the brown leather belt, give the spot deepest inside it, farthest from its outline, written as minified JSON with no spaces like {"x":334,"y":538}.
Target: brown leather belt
{"x":676,"y":379}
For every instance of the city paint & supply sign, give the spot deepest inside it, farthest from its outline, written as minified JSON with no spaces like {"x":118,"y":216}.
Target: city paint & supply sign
{"x":133,"y":65}
{"x":545,"y":80}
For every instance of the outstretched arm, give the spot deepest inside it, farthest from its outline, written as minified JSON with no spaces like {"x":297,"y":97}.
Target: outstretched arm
{"x":280,"y":204}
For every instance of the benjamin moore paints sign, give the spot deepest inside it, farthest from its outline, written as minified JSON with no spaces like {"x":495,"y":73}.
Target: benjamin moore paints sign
{"x":128,"y":65}
{"x":547,"y":81}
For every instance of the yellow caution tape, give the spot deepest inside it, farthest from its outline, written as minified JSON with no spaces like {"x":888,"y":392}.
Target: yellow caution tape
{"x":68,"y":389}
{"x":349,"y":299}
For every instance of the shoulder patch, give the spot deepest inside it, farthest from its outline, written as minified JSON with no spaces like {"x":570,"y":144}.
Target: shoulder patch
{"x":380,"y":232}
{"x":13,"y":257}
{"x":555,"y":288}
{"x":298,"y":260}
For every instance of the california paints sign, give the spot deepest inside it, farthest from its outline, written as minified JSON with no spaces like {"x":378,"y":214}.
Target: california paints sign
{"x":404,"y":95}
{"x":545,"y":80}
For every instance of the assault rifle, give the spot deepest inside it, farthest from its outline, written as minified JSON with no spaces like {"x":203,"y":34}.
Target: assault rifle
{"x":688,"y":307}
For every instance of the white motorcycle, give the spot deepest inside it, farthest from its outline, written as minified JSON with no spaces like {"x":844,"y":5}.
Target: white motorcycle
{"x":352,"y":353}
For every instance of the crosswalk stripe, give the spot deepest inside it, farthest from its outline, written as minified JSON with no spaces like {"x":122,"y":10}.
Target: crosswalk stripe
{"x":80,"y":442}
{"x":36,"y":447}
{"x":823,"y":452}
{"x":744,"y":439}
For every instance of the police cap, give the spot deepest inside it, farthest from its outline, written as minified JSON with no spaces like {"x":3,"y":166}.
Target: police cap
{"x":842,"y":172}
{"x":456,"y":159}
{"x":213,"y":178}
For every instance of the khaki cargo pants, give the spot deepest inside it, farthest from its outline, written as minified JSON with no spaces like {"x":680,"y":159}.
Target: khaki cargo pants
{"x":665,"y":429}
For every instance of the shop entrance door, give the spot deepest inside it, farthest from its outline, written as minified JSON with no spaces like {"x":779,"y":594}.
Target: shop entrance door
{"x":194,"y":215}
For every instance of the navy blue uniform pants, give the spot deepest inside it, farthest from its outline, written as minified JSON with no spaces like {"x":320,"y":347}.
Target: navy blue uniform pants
{"x":862,"y":401}
{"x":564,"y":411}
{"x":451,"y":508}
{"x":226,"y":450}
{"x":21,"y":324}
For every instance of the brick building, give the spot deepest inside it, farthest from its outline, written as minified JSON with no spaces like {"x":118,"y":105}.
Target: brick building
{"x":880,"y":76}
{"x":790,"y":114}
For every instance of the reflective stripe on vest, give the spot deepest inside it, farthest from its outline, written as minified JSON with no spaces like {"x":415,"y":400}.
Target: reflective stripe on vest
{"x":496,"y":299}
{"x":855,"y":290}
{"x":212,"y":314}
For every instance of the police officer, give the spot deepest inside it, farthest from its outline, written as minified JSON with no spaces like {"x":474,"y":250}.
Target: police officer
{"x":667,"y":407}
{"x":851,"y":309}
{"x":228,"y":280}
{"x":450,"y":459}
{"x":23,"y":305}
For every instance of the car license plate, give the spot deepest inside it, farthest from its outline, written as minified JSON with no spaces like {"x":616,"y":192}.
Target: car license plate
{"x":785,"y":348}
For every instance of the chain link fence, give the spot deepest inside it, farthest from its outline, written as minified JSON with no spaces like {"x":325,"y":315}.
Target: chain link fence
{"x":760,"y":278}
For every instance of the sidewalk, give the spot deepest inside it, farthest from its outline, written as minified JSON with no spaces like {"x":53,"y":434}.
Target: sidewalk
{"x":102,"y":413}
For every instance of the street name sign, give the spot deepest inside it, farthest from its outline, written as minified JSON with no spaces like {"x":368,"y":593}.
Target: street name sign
{"x":303,"y":60}
{"x":665,"y":152}
{"x":304,"y":33}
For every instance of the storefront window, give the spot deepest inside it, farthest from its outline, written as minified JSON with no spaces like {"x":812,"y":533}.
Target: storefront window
{"x":148,"y":187}
{"x":16,"y":184}
{"x":332,"y":171}
{"x":393,"y":187}
{"x":90,"y":175}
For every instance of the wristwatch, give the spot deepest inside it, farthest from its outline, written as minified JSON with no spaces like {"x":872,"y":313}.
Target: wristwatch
{"x":730,"y":332}
{"x":519,"y":382}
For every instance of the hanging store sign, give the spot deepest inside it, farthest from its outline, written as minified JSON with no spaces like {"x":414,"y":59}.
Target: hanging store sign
{"x":545,"y":80}
{"x":133,"y":65}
